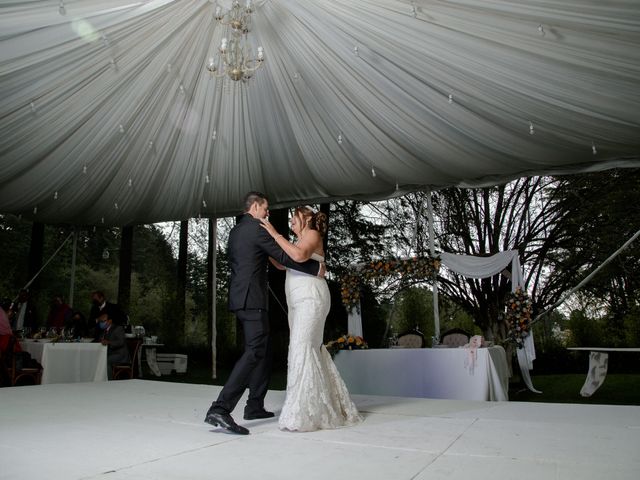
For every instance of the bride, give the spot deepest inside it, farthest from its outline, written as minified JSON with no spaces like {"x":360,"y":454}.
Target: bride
{"x":316,"y":396}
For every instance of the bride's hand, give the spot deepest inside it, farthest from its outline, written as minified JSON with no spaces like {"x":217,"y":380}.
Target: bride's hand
{"x":264,"y":223}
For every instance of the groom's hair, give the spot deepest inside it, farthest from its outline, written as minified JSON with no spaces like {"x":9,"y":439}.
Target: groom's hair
{"x":252,"y":197}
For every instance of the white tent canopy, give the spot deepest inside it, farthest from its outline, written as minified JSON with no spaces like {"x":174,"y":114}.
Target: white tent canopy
{"x":108,"y":114}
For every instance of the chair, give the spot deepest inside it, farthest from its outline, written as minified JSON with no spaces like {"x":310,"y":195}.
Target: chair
{"x":411,"y":339}
{"x":14,"y":374}
{"x":121,"y":371}
{"x":455,"y":337}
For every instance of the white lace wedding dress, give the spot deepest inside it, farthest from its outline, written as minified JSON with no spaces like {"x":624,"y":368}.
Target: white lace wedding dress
{"x":317,"y":397}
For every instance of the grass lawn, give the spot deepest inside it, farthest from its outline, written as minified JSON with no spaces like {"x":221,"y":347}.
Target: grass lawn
{"x":618,"y":389}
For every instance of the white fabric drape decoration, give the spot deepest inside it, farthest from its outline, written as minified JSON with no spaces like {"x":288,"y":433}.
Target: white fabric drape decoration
{"x":483,"y":267}
{"x":109,"y":116}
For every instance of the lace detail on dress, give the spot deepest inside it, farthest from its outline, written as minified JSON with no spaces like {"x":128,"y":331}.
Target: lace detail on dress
{"x":317,"y":397}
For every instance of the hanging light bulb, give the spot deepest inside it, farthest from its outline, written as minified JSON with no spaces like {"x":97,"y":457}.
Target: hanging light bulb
{"x":340,"y":139}
{"x":55,"y":195}
{"x":593,"y":148}
{"x":531,"y":130}
{"x":373,"y":172}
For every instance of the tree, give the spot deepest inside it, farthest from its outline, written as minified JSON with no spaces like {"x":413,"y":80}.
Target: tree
{"x":518,"y":215}
{"x":602,"y":211}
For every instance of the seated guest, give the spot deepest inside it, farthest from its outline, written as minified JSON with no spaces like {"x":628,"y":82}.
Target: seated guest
{"x":23,"y":359}
{"x":5,"y":328}
{"x":23,"y":312}
{"x":113,"y":337}
{"x":100,"y":304}
{"x":78,"y":324}
{"x":59,"y":314}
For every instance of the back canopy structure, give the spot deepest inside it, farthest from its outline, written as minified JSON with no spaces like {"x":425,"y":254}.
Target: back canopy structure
{"x":108,"y":114}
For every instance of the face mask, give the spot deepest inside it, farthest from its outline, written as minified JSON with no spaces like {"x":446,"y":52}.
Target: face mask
{"x":103,"y":325}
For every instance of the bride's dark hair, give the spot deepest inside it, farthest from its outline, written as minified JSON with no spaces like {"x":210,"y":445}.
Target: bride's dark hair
{"x":317,"y":220}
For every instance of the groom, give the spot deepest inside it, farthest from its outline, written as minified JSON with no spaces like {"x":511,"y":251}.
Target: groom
{"x":249,"y":248}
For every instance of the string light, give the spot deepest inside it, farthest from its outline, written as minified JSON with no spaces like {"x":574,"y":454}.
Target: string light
{"x":450,"y":98}
{"x":531,"y":130}
{"x":102,"y":220}
{"x":84,"y":170}
{"x":206,"y":179}
{"x":33,"y":107}
{"x":214,"y":135}
{"x":130,"y":183}
{"x":296,"y":76}
{"x":373,"y":172}
{"x":593,"y":148}
{"x":541,"y":30}
{"x":397,"y":187}
{"x":35,"y":210}
{"x":182,"y":89}
{"x":121,"y":128}
{"x":340,"y":139}
{"x":115,"y":205}
{"x":55,"y":195}
{"x":355,"y":51}
{"x":204,"y":204}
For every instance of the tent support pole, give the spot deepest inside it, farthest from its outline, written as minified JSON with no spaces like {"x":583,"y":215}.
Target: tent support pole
{"x":213,"y":276}
{"x":432,"y":251}
{"x":74,"y":252}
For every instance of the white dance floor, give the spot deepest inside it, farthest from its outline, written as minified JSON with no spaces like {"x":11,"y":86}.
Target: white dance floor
{"x":138,"y":429}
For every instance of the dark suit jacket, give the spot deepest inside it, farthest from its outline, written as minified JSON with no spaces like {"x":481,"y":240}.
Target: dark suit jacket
{"x":117,"y":351}
{"x":250,"y":247}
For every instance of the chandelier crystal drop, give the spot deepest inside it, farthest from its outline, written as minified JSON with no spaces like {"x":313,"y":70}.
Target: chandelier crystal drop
{"x":235,"y":58}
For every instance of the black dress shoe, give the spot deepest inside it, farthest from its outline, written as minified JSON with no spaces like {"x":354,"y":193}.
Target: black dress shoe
{"x":225,"y":421}
{"x":257,"y":415}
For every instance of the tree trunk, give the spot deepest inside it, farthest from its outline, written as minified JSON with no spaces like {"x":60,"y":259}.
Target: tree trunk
{"x":124,"y":275}
{"x":182,"y":280}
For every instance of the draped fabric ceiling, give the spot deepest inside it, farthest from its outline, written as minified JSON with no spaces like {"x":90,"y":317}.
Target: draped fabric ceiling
{"x":109,"y":116}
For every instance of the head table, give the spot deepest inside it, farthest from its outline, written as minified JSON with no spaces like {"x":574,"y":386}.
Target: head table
{"x":446,"y":373}
{"x":69,"y":362}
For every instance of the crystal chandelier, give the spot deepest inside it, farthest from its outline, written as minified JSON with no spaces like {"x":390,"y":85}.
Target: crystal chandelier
{"x":236,"y":58}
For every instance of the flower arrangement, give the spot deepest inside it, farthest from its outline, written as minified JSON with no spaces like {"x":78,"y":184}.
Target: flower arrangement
{"x":518,"y":316}
{"x":373,"y":272}
{"x":346,"y":342}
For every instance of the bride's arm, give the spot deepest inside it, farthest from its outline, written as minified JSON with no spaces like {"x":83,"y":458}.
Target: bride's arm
{"x":276,"y":264}
{"x":299,"y":252}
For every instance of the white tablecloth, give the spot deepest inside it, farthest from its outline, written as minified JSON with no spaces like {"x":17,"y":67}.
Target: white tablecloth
{"x":69,"y":362}
{"x":426,"y":372}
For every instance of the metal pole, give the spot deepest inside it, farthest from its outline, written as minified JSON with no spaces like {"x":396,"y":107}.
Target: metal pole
{"x":213,"y":238}
{"x":432,"y":251}
{"x":73,"y":266}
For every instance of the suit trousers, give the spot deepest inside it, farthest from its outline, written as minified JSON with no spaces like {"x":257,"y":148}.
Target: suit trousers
{"x":253,"y":369}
